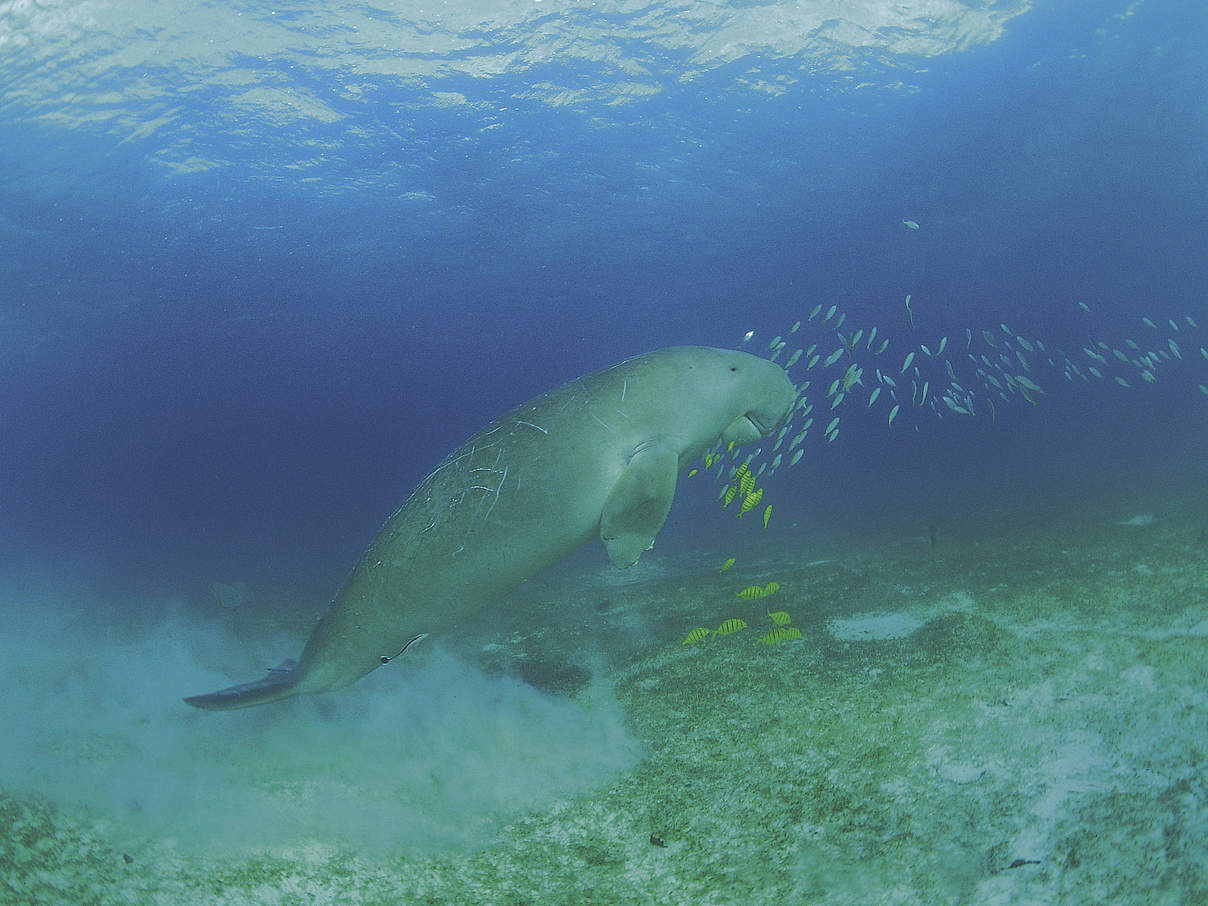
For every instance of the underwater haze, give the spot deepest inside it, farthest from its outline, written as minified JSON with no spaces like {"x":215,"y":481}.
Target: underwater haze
{"x":265,"y":266}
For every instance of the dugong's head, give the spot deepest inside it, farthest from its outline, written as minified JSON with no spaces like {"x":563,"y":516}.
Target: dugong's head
{"x":764,"y":394}
{"x":752,"y":396}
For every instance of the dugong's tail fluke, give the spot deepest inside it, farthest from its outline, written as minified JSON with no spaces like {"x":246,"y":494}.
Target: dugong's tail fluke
{"x":279,"y":683}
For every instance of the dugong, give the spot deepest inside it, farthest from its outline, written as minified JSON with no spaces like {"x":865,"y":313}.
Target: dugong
{"x":597,"y":456}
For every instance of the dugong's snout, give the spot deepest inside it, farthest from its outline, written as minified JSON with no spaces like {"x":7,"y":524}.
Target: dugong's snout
{"x":765,"y":424}
{"x":772,"y":396}
{"x":751,"y":426}
{"x":743,"y":430}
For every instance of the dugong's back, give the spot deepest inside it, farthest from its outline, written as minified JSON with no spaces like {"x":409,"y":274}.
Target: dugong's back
{"x":517,"y":496}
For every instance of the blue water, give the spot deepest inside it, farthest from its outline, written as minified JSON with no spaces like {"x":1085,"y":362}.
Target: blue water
{"x":262,"y":268}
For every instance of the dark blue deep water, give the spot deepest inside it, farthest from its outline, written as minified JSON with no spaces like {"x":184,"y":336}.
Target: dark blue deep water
{"x":261,"y":271}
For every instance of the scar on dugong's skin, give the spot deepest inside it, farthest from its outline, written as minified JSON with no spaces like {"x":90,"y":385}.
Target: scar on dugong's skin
{"x":597,"y":456}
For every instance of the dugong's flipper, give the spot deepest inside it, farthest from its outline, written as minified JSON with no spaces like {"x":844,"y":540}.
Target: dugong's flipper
{"x":638,"y":504}
{"x":278,"y":684}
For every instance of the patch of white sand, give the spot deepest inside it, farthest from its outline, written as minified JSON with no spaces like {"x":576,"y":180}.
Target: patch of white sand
{"x":1141,"y":519}
{"x":870,"y":627}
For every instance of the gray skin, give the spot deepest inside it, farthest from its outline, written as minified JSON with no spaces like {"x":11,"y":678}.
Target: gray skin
{"x":596,"y":457}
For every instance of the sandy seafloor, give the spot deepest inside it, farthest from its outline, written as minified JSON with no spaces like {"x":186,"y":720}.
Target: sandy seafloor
{"x":1017,"y":714}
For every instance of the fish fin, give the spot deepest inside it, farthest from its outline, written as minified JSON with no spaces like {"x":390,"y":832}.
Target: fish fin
{"x":279,"y":683}
{"x":638,"y":503}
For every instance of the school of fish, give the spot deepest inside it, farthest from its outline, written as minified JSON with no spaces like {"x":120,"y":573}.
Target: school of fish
{"x":781,"y":630}
{"x":967,"y":374}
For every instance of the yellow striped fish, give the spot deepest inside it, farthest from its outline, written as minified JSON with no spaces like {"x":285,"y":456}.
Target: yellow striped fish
{"x":755,"y":592}
{"x":746,"y":482}
{"x":696,"y":635}
{"x":729,"y":562}
{"x":779,"y":634}
{"x":767,"y":515}
{"x":780,"y":618}
{"x":751,"y":501}
{"x":729,"y":498}
{"x":730,"y":626}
